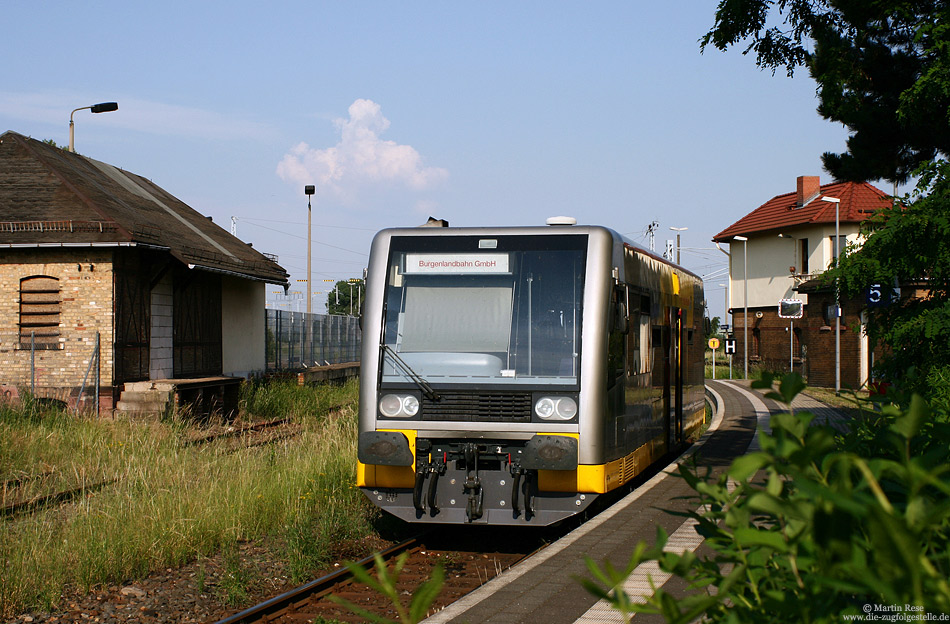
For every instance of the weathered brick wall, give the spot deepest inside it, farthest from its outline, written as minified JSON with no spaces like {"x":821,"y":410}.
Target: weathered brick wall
{"x":86,"y":288}
{"x":815,"y":341}
{"x":821,"y":342}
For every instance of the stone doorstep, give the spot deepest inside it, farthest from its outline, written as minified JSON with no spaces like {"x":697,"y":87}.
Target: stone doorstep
{"x":145,"y":396}
{"x":151,"y":407}
{"x":143,"y":386}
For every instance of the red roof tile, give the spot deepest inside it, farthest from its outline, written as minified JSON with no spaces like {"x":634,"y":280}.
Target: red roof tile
{"x":858,"y":201}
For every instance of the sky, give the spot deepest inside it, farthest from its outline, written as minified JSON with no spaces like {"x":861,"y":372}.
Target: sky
{"x":487,"y":113}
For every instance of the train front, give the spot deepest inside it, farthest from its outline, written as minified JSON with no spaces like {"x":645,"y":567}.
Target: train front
{"x":470,"y":386}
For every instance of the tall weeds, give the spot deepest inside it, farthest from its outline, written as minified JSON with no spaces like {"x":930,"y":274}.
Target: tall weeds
{"x":171,"y":502}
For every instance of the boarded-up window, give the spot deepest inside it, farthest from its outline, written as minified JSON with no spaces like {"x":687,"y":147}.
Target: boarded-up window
{"x":40,"y":303}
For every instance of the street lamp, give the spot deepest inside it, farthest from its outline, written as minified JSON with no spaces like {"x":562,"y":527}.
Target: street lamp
{"x":725,"y":300}
{"x":725,"y":315}
{"x":308,"y":191}
{"x":745,"y":300}
{"x":104,"y":107}
{"x":837,"y":202}
{"x":678,"y":230}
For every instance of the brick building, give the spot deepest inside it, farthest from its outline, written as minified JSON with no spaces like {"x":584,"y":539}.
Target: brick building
{"x":91,"y":254}
{"x":789,"y":242}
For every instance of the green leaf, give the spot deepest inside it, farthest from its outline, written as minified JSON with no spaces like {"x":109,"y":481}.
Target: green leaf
{"x":744,"y":467}
{"x":425,"y":594}
{"x":755,"y":537}
{"x":908,"y":424}
{"x":360,"y":611}
{"x":764,"y":382}
{"x":792,"y":384}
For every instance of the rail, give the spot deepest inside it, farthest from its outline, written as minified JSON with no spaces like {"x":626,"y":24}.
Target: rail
{"x":322,"y":585}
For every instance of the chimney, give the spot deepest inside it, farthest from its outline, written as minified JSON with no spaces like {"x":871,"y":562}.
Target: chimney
{"x":808,"y":188}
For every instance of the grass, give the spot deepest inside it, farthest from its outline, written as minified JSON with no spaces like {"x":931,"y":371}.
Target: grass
{"x":722,"y":370}
{"x":174,"y":503}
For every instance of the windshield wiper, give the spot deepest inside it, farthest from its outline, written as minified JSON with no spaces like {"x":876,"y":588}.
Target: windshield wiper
{"x":431,"y":394}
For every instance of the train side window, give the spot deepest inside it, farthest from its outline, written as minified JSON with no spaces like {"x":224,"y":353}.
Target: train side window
{"x":638,"y":343}
{"x":638,"y":334}
{"x":620,"y":322}
{"x":646,"y":348}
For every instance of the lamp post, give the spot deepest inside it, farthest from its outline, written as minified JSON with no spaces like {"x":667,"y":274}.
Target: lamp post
{"x":725,"y":315}
{"x":308,"y":191}
{"x":745,"y":301}
{"x":725,"y":301}
{"x":678,"y":230}
{"x":791,"y":322}
{"x":104,"y":107}
{"x":837,"y":202}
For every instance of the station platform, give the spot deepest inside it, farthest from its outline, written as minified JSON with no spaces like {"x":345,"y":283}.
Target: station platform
{"x":544,"y":588}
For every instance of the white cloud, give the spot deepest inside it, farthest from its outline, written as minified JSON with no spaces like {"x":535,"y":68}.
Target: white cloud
{"x":360,"y":158}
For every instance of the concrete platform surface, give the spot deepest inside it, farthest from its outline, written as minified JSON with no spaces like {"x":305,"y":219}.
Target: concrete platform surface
{"x":545,"y":588}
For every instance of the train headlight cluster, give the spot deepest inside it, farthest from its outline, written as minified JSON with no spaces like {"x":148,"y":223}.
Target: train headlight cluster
{"x":555,"y":408}
{"x":399,"y":405}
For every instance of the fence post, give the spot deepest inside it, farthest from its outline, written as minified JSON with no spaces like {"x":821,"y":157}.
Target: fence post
{"x":82,"y":389}
{"x":98,"y":370}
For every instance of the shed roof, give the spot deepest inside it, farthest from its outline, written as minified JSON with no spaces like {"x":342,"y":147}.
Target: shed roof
{"x":858,"y":201}
{"x":50,"y":197}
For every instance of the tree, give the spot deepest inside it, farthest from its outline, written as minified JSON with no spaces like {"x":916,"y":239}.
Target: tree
{"x":908,"y":245}
{"x":346,"y":297}
{"x":882,"y":68}
{"x":715,"y":328}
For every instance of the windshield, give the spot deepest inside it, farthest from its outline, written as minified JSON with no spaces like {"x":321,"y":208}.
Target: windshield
{"x":503,"y":309}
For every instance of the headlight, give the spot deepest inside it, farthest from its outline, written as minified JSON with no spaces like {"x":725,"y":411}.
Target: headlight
{"x":410,"y":405}
{"x":390,"y":405}
{"x":544,"y":408}
{"x":398,"y":405}
{"x":555,"y":408}
{"x":566,"y":408}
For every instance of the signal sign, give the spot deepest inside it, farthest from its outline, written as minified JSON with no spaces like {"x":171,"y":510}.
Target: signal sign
{"x":878,"y":295}
{"x":730,"y":346}
{"x":713,"y":343}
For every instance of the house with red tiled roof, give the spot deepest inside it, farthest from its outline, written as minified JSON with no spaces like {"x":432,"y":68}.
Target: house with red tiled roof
{"x":776,"y":253}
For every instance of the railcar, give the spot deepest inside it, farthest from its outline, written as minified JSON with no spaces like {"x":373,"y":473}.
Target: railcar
{"x":511,"y":375}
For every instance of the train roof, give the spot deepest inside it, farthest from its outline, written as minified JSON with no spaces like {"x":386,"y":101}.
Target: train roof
{"x":542,"y":230}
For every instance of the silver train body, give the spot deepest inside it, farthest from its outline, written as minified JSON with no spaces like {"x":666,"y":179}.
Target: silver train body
{"x":511,"y":375}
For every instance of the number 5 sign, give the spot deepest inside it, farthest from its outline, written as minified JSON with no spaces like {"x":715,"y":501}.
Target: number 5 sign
{"x":879,"y":295}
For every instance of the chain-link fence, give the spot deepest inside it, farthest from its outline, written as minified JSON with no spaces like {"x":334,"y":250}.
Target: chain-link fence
{"x":292,"y":342}
{"x":64,"y":372}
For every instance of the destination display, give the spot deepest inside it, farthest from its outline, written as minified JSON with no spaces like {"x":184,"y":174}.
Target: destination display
{"x":456,"y":263}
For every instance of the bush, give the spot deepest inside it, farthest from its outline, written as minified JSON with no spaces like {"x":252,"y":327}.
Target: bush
{"x":819,"y":525}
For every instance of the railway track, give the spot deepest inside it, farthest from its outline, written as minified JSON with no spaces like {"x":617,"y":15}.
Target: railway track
{"x":237,"y":439}
{"x":467,"y":566}
{"x":471,"y":556}
{"x":37,"y":503}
